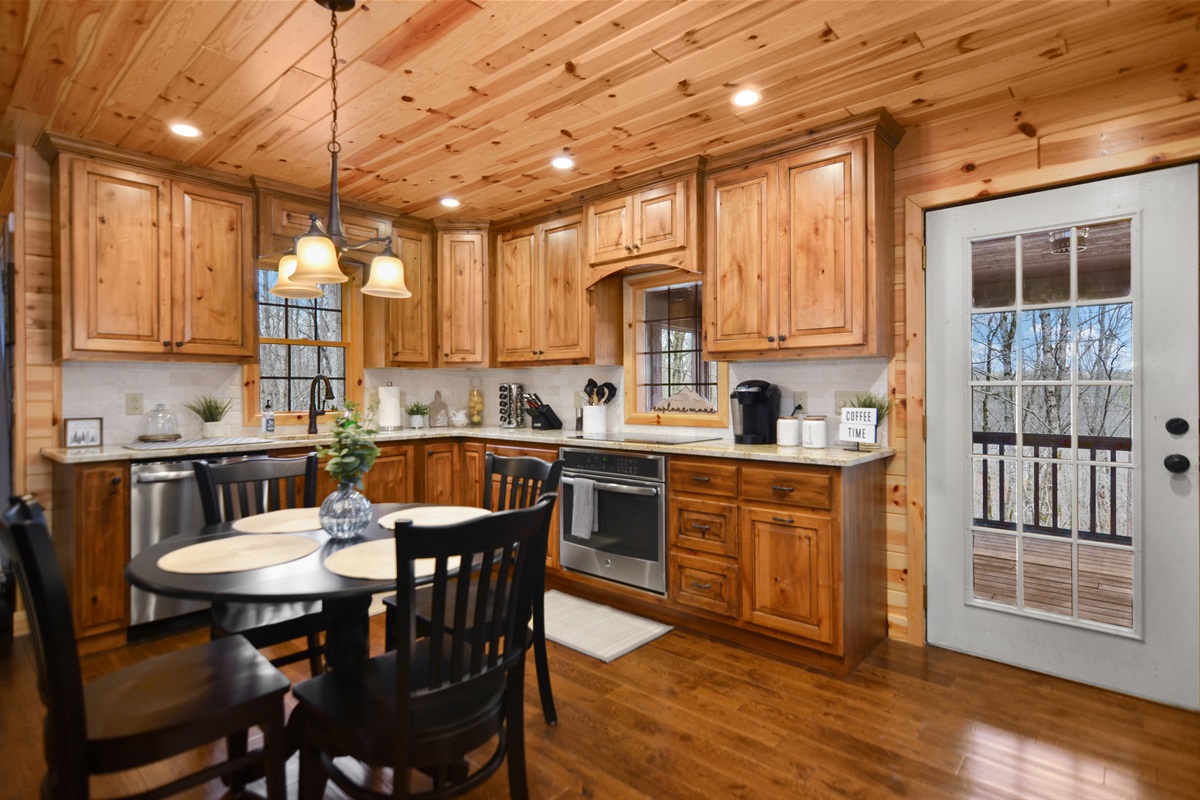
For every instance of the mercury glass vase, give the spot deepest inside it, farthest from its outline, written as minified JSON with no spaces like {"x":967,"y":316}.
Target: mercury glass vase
{"x":346,"y":513}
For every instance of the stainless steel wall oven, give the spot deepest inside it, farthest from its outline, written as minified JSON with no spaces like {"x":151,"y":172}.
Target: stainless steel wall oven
{"x":613,"y":518}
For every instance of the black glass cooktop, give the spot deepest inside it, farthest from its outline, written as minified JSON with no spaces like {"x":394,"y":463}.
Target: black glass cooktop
{"x":644,"y":438}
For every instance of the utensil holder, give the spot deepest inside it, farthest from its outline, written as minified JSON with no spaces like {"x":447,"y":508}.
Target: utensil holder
{"x":544,"y":418}
{"x":595,"y":419}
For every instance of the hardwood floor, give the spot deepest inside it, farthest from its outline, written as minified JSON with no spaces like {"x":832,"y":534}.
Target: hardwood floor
{"x":689,"y":717}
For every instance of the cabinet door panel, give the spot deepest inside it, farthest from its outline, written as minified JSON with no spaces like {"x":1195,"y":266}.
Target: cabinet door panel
{"x":790,"y":565}
{"x":740,"y":288}
{"x":441,"y":474}
{"x":461,"y":288}
{"x":390,"y":479}
{"x":609,"y":229}
{"x":101,"y":594}
{"x":213,"y":271}
{"x":660,"y":218}
{"x":564,"y":309}
{"x":824,"y":270}
{"x":703,"y":583}
{"x":121,"y":259}
{"x":409,"y":321}
{"x":518,"y":287}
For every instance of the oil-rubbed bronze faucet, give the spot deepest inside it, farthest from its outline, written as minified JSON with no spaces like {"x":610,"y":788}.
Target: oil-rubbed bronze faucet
{"x":316,"y":405}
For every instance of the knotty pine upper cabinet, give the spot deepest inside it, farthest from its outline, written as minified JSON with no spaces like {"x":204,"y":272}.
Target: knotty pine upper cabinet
{"x":462,"y":296}
{"x":656,"y":225}
{"x":544,"y":313}
{"x":799,"y":247}
{"x":399,"y":333}
{"x":152,"y":265}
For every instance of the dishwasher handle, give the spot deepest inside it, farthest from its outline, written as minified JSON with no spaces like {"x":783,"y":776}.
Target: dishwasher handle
{"x":620,"y":488}
{"x":166,"y":477}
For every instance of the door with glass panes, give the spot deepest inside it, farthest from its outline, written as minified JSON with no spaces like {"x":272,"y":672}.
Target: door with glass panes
{"x":1062,"y":399}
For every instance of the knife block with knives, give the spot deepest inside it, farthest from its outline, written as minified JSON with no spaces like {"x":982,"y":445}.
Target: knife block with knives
{"x":542,"y":414}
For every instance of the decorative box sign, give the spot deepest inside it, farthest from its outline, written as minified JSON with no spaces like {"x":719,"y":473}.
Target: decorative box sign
{"x":858,"y":425}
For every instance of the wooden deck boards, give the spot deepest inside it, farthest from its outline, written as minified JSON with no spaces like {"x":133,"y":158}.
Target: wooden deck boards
{"x":689,"y":717}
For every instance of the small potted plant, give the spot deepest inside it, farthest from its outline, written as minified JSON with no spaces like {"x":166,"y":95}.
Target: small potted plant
{"x":882,"y":405}
{"x":347,"y":512}
{"x":417,"y":412}
{"x":211,"y":410}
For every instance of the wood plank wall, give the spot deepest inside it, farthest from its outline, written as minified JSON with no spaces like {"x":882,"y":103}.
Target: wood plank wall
{"x":991,"y":147}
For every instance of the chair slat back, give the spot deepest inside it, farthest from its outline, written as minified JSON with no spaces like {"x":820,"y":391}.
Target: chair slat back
{"x":241,"y":487}
{"x":518,"y":482}
{"x":488,"y":633}
{"x":26,"y":537}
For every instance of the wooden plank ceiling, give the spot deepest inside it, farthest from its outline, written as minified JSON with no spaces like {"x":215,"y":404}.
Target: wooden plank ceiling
{"x":472,"y":98}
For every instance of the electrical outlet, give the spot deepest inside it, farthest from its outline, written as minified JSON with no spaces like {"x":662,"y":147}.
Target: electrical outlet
{"x":842,"y":399}
{"x":800,"y":402}
{"x":133,"y":403}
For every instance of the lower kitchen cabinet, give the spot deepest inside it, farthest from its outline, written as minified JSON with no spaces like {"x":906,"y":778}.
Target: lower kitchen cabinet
{"x":90,"y":530}
{"x":790,"y":586}
{"x":440,"y":473}
{"x":390,"y":479}
{"x":703,"y":583}
{"x":474,"y":464}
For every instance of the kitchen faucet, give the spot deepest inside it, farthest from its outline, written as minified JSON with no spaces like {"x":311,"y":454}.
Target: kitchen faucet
{"x":316,"y":404}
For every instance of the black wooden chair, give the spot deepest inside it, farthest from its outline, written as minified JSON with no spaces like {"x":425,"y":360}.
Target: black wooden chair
{"x":434,"y":699}
{"x":145,"y":712}
{"x":508,"y":483}
{"x":241,"y":487}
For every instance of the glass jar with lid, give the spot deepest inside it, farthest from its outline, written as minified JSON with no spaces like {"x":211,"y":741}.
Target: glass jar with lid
{"x":475,"y":402}
{"x":159,"y":425}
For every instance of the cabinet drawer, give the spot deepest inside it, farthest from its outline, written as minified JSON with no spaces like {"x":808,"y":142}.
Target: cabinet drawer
{"x":701,"y":477}
{"x":810,"y":489}
{"x":704,"y":526}
{"x":704,"y":584}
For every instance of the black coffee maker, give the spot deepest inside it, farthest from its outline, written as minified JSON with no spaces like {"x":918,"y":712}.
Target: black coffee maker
{"x":755,"y":406}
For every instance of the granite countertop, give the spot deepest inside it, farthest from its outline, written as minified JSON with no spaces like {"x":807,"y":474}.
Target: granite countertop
{"x":720,"y":448}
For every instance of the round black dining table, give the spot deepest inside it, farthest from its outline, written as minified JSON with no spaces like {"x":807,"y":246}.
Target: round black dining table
{"x":345,"y":601}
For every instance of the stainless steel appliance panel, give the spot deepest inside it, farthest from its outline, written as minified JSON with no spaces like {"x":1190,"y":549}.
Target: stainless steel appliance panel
{"x":164,"y":501}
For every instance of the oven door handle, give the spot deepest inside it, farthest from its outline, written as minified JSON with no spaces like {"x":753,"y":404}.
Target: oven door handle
{"x":619,"y":488}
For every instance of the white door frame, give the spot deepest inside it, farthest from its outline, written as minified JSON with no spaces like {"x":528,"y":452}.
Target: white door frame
{"x":1045,"y":656}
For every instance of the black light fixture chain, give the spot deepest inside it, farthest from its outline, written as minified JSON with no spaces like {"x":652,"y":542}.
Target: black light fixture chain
{"x":334,"y":146}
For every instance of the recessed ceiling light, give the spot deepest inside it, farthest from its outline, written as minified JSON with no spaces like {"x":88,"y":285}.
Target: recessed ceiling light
{"x":450,"y":202}
{"x":746,"y":97}
{"x":183,"y":129}
{"x":562,"y":162}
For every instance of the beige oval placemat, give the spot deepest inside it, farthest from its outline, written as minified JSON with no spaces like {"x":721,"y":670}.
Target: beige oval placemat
{"x":376,"y":561}
{"x":238,"y":553}
{"x":286,"y":520}
{"x":432,"y":516}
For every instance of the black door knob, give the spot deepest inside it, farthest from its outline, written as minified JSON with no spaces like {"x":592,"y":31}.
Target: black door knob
{"x":1177,"y":426}
{"x":1176,"y":463}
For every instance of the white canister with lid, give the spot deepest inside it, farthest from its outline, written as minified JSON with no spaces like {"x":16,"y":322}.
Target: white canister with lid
{"x":787,"y":432}
{"x":815,"y":434}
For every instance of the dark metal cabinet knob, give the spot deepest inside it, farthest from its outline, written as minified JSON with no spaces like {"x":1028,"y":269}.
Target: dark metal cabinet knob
{"x":166,"y":343}
{"x":1177,"y":463}
{"x":770,"y":338}
{"x":116,"y":481}
{"x":783,"y":337}
{"x":1177,"y":426}
{"x":179,"y":343}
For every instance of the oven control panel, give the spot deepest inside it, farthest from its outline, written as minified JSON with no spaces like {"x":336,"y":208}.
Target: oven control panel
{"x":612,"y":462}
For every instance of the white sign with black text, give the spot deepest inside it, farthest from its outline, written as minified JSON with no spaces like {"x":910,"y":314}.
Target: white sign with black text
{"x":858,"y":425}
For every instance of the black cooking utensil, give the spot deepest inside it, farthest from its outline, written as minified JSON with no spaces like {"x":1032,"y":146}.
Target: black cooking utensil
{"x":610,"y":392}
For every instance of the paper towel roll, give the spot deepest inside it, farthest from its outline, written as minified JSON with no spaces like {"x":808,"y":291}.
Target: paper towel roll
{"x":389,"y":407}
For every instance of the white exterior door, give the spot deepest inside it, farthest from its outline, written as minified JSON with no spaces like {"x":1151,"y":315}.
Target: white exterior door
{"x":1063,"y":507}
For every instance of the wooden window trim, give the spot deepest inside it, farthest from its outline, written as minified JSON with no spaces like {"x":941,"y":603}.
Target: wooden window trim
{"x":633,"y":289}
{"x":352,"y":332}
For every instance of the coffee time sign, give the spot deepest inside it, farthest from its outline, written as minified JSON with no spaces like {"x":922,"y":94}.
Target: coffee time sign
{"x":858,"y":425}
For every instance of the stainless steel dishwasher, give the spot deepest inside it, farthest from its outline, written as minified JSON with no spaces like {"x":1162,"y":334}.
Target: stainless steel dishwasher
{"x":164,"y":501}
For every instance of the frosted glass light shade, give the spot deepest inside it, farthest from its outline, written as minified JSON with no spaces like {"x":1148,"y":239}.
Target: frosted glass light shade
{"x":316,"y":259}
{"x":387,"y":277}
{"x":286,"y":287}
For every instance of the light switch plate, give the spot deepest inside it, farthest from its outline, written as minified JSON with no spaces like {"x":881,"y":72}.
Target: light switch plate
{"x":133,"y":403}
{"x":842,"y":399}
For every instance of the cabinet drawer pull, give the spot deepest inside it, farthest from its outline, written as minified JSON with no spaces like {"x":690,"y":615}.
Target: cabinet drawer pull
{"x":700,"y":585}
{"x":701,"y":478}
{"x":700,"y":527}
{"x":783,"y":488}
{"x":784,"y":519}
{"x":628,"y":249}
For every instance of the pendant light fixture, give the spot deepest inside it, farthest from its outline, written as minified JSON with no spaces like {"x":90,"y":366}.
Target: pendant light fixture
{"x":286,"y":287}
{"x":318,"y":251}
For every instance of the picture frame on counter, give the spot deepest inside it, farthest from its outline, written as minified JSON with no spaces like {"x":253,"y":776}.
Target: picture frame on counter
{"x":83,"y":432}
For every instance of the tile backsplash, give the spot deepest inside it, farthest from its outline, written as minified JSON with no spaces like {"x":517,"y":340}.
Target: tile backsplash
{"x":98,"y":389}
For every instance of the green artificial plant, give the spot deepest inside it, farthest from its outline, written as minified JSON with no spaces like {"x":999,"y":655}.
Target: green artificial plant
{"x":880,"y":403}
{"x":416,"y":410}
{"x":353,"y":451}
{"x":209,"y":408}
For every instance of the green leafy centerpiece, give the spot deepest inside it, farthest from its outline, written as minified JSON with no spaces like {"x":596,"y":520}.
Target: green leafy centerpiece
{"x":347,"y":512}
{"x":211,"y":410}
{"x":882,"y":405}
